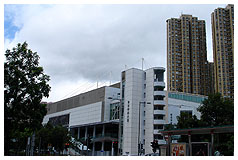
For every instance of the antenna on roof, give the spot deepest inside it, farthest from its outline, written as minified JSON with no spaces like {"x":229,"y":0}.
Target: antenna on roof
{"x":97,"y":81}
{"x":142,"y":62}
{"x":110,"y":77}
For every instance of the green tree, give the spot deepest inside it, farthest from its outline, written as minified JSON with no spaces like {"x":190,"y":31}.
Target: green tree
{"x":59,"y":137}
{"x":170,"y":126}
{"x":25,"y":84}
{"x":43,"y":136}
{"x":186,"y":120}
{"x":56,"y":136}
{"x":217,"y":110}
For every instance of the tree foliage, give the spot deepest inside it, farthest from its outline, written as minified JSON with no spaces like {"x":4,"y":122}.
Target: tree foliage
{"x":59,"y":137}
{"x":25,"y":84}
{"x":186,"y":120}
{"x":56,"y":136}
{"x":217,"y":110}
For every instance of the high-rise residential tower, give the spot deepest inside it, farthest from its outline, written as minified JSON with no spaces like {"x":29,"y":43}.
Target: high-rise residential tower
{"x":186,"y":55}
{"x":223,"y":50}
{"x":210,"y":77}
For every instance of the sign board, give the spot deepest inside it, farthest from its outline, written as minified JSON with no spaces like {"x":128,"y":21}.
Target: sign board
{"x":178,"y":149}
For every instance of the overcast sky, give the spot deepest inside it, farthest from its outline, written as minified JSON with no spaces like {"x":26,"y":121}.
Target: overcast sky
{"x":80,"y":44}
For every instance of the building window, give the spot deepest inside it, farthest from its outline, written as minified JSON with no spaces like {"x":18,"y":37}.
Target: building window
{"x":158,"y":136}
{"x":158,"y":117}
{"x":158,"y":97}
{"x":158,"y":107}
{"x":158,"y":126}
{"x":158,"y":88}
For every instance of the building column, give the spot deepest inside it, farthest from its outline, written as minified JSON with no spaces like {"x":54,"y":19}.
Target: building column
{"x":103,"y":129}
{"x":190,"y":144}
{"x":94,"y":135}
{"x":103,"y":134}
{"x":112,"y":148}
{"x":102,"y":148}
{"x":86,"y":132}
{"x":169,"y":141}
{"x":86,"y":137}
{"x":78,"y":132}
{"x":212,"y":142}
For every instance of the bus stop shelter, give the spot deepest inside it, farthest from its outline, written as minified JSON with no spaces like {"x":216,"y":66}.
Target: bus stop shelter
{"x":195,"y":131}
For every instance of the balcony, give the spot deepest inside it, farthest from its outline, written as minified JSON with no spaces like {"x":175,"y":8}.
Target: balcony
{"x":159,"y":121}
{"x":157,"y":83}
{"x":159,"y":112}
{"x":159,"y":93}
{"x":157,"y":131}
{"x":159,"y":102}
{"x":161,"y":142}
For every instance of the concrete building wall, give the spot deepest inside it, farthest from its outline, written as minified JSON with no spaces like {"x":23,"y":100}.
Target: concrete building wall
{"x":178,"y":101}
{"x":133,"y":96}
{"x":89,"y":107}
{"x":96,"y":95}
{"x":149,"y":110}
{"x":185,"y":105}
{"x":176,"y":106}
{"x":138,"y":121}
{"x":80,"y":115}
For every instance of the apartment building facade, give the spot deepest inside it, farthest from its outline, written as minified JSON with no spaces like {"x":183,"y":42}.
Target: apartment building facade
{"x":223,"y":49}
{"x":187,"y":55}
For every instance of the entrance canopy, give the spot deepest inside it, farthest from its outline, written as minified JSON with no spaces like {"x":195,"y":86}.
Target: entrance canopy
{"x":196,"y":131}
{"x":205,"y":130}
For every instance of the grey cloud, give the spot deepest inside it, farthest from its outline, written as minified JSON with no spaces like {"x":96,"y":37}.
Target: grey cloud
{"x":85,"y":41}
